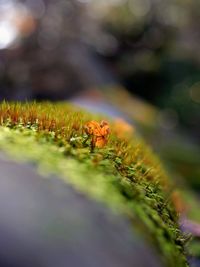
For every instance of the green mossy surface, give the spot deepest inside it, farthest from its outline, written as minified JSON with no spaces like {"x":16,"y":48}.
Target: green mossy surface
{"x":124,"y":175}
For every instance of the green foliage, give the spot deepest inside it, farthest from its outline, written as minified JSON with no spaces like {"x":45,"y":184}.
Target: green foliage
{"x":124,"y":175}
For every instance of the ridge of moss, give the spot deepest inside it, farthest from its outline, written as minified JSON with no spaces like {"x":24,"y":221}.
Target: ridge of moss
{"x":125,"y":174}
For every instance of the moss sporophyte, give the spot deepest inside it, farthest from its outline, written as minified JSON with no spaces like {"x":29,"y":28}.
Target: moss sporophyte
{"x":118,"y":170}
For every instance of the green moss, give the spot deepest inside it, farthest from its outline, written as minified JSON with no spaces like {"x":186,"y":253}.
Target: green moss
{"x":125,"y":175}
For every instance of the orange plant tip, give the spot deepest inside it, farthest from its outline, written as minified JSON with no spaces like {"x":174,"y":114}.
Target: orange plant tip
{"x":99,"y":132}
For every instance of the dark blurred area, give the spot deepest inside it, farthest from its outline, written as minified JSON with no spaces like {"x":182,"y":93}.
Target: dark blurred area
{"x":158,"y":56}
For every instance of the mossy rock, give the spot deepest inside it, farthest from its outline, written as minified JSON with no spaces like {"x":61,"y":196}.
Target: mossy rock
{"x":123,"y":174}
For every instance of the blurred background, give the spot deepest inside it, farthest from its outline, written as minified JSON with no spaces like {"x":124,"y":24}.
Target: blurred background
{"x":136,"y":59}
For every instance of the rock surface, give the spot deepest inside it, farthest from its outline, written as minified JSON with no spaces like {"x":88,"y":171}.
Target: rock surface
{"x":46,"y":223}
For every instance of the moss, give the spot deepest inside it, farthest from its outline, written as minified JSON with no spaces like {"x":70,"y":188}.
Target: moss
{"x":125,"y":175}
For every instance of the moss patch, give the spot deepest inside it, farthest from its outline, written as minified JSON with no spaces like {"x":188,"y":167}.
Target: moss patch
{"x":125,"y":174}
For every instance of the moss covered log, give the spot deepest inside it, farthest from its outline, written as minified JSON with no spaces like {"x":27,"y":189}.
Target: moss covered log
{"x":122,"y":173}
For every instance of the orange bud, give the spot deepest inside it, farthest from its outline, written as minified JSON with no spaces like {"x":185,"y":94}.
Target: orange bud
{"x":99,"y":132}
